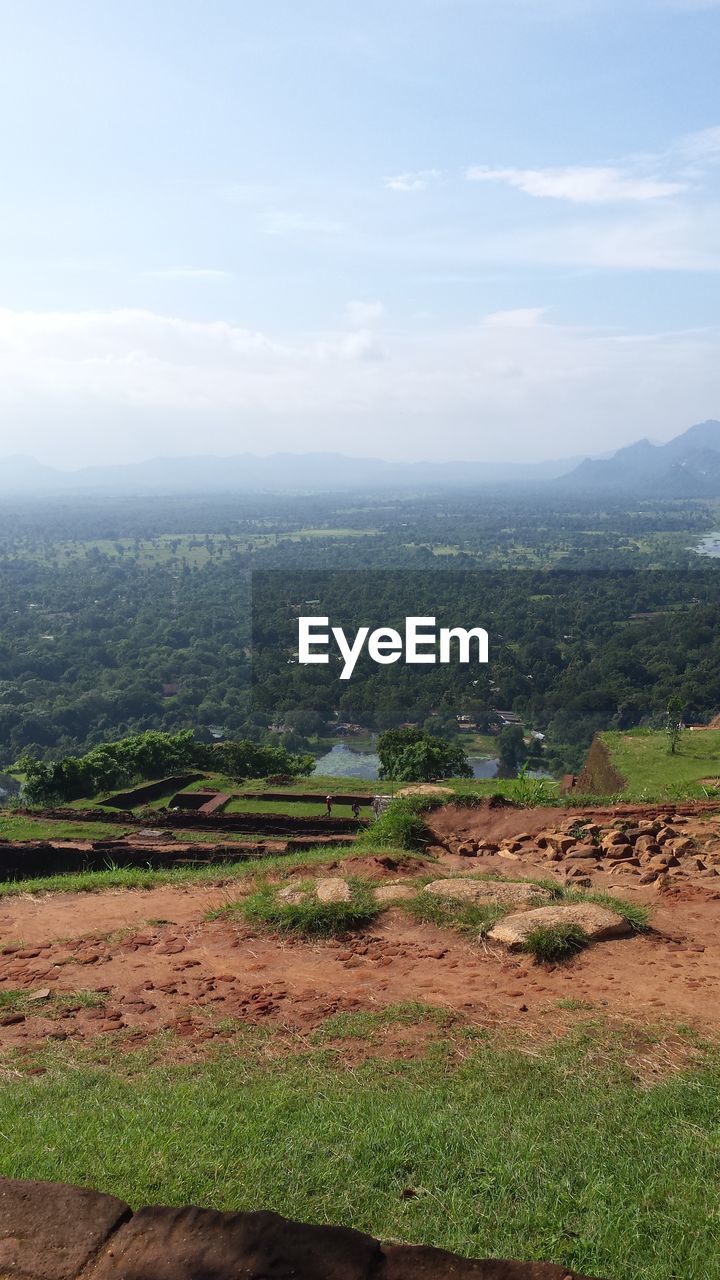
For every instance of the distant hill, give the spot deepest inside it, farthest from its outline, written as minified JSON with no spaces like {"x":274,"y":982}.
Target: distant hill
{"x":686,"y":467}
{"x":280,"y":472}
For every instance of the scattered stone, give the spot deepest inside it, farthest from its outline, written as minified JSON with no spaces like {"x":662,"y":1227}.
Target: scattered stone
{"x":466,"y":850}
{"x":615,"y":838}
{"x":293,"y":896}
{"x":562,"y":843}
{"x":332,"y":889}
{"x":579,"y":878}
{"x":646,"y":844}
{"x":42,"y":994}
{"x":662,"y":860}
{"x":583,"y":851}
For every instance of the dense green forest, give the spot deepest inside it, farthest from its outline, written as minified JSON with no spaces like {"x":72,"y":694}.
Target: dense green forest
{"x":120,"y":616}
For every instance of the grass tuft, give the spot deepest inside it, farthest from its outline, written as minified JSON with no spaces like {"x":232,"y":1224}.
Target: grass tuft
{"x":550,"y":944}
{"x":469,"y":918}
{"x":636,"y":915}
{"x":309,"y":918}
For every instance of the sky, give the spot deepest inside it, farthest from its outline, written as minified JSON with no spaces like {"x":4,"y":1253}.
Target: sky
{"x":482,"y":229}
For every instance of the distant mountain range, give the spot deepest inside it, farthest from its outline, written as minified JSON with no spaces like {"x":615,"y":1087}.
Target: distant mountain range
{"x":280,"y":472}
{"x":686,"y":467}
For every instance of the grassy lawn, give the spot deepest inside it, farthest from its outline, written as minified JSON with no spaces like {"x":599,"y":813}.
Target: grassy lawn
{"x":324,"y":783}
{"x":557,"y":1155}
{"x":645,"y":762}
{"x":478,"y":744}
{"x":21,"y":827}
{"x":24,"y":827}
{"x":290,"y":808}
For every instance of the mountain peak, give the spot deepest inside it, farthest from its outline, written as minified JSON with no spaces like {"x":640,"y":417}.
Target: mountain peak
{"x":687,"y":466}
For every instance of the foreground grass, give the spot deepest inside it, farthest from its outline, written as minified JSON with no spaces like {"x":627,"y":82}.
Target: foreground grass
{"x":542,"y":1157}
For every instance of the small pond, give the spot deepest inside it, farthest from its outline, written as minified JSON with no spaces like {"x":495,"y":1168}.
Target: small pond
{"x":345,"y":761}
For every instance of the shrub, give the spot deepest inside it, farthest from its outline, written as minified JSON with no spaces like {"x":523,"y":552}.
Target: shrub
{"x":401,"y":826}
{"x":411,"y":755}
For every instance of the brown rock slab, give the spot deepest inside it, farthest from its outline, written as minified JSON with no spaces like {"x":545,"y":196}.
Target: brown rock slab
{"x":50,"y":1231}
{"x":192,"y":1244}
{"x":598,"y":923}
{"x":420,"y":1262}
{"x":505,"y":892}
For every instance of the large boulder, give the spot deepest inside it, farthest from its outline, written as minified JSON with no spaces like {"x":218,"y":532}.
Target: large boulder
{"x":505,"y":893}
{"x":597,"y":922}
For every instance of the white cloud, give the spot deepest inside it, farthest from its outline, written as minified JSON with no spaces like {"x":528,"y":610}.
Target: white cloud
{"x":87,"y":386}
{"x":580,"y":184}
{"x":518,"y":318}
{"x":420,"y":180}
{"x":634,"y":179}
{"x":665,"y":239}
{"x":701,"y":149}
{"x":363,"y":314}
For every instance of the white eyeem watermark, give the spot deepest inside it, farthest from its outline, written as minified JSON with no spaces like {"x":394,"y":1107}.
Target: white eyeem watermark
{"x":422,"y":642}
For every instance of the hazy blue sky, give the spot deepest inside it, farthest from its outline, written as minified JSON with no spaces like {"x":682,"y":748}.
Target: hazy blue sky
{"x":460,"y":228}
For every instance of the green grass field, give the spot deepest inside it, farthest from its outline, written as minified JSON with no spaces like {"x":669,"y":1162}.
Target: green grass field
{"x":651,"y":772}
{"x":195,"y":550}
{"x":485,"y":1150}
{"x":17,"y":826}
{"x":288,"y":808}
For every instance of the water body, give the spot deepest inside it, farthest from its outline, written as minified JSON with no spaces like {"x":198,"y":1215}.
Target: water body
{"x":344,"y":761}
{"x":9,"y":787}
{"x":710,"y":545}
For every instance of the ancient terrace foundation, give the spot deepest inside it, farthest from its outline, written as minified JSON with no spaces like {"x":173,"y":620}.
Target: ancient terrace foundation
{"x":51,"y":1231}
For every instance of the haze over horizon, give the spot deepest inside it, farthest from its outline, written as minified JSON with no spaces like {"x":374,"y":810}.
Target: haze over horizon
{"x":435,"y":229}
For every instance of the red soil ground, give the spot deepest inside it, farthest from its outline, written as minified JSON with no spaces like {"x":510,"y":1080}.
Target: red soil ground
{"x":159,"y":964}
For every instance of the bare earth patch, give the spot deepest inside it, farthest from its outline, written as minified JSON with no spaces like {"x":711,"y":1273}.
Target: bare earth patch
{"x":155,"y":963}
